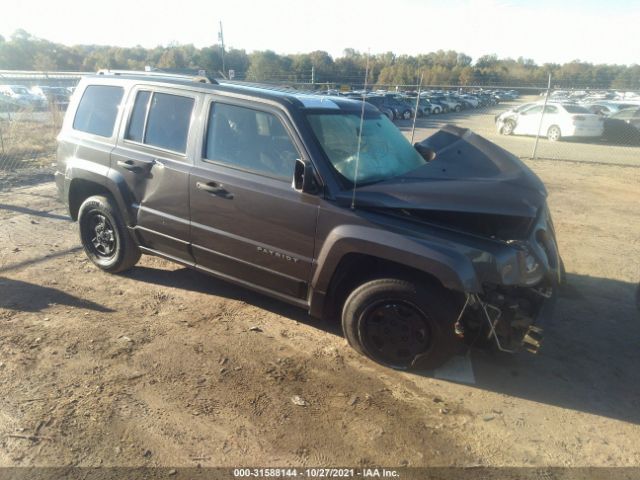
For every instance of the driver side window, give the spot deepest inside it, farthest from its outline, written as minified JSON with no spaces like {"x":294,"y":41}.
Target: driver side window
{"x":249,"y":139}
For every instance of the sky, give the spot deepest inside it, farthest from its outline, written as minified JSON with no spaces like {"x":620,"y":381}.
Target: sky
{"x":557,"y":31}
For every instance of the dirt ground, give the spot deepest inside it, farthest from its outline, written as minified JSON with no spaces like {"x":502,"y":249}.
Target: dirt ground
{"x":163,"y":366}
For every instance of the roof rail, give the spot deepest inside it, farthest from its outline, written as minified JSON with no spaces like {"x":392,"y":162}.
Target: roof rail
{"x":202,"y":78}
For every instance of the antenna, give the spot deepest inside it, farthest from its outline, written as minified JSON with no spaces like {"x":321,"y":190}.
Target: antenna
{"x":221,"y":40}
{"x":364,"y":94}
{"x":415,"y":114}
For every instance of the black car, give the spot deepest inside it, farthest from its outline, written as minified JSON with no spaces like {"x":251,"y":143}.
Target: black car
{"x":623,"y":127}
{"x":317,"y":201}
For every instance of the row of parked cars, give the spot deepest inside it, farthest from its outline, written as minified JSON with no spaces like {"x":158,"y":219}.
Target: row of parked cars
{"x":404,"y":105}
{"x":615,"y":122}
{"x":14,"y":97}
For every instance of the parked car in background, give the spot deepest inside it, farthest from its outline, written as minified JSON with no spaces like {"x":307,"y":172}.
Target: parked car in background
{"x":559,"y":121}
{"x":436,"y":107}
{"x":58,"y":96}
{"x":21,"y":96}
{"x":510,"y":114}
{"x":392,"y":109}
{"x":452,"y":104}
{"x":607,"y":108}
{"x":623,"y":126}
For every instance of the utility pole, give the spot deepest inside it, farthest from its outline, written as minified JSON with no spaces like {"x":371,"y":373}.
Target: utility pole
{"x":221,"y":40}
{"x":544,"y":107}
{"x":313,"y":75}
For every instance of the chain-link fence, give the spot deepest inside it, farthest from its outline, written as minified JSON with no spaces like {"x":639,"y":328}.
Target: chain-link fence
{"x":28,"y":143}
{"x":583,"y":126}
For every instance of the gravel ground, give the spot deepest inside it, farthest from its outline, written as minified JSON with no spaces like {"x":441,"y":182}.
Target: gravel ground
{"x":163,"y":366}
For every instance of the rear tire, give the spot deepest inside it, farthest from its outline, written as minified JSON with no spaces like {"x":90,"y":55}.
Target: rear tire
{"x":401,"y":324}
{"x":554,"y":134}
{"x":105,"y":237}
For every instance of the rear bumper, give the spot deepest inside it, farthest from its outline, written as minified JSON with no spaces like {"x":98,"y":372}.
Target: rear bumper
{"x":579,"y":131}
{"x":60,"y":185}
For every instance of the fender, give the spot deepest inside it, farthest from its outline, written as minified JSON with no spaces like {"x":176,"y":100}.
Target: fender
{"x":105,"y":176}
{"x":454,"y":270}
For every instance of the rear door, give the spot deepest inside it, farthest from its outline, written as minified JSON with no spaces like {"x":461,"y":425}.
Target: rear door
{"x":153,"y":157}
{"x":248,"y":223}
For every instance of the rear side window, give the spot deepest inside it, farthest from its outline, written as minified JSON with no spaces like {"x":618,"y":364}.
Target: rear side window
{"x":161,"y":120}
{"x":98,"y":110}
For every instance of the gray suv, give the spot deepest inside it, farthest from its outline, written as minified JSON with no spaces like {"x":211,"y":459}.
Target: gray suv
{"x":318,"y":201}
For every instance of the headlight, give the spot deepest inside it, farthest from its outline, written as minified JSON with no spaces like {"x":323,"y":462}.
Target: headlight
{"x":531,"y":270}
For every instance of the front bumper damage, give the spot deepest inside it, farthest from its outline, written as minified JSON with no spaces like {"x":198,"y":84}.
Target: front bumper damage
{"x":513,"y":315}
{"x":511,"y":320}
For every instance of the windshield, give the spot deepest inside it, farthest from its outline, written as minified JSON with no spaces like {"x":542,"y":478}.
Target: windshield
{"x":384,"y":151}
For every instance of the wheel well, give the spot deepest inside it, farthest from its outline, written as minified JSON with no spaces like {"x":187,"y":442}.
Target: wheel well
{"x":80,"y":190}
{"x":355,"y":268}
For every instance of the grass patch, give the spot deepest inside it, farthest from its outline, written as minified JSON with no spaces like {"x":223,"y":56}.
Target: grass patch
{"x":28,"y":138}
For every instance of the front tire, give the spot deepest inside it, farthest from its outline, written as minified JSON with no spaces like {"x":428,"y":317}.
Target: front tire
{"x":508,"y":127}
{"x":406,"y":114}
{"x":401,"y":324}
{"x":105,"y":237}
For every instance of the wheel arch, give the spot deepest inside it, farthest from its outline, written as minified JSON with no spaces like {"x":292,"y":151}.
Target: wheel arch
{"x":85,"y":184}
{"x":349,"y":257}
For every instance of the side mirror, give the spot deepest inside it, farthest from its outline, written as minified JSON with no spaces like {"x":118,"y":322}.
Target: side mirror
{"x":425,"y":152}
{"x":303,"y":177}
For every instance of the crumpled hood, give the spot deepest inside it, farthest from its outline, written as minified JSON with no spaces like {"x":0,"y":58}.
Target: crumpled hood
{"x":469,"y":174}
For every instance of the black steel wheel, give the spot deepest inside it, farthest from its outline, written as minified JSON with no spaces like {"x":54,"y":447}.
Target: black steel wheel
{"x":104,"y":236}
{"x":394,"y":331}
{"x":401,"y":324}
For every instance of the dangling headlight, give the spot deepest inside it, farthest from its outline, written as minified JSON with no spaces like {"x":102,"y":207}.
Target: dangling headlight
{"x":530,"y":267}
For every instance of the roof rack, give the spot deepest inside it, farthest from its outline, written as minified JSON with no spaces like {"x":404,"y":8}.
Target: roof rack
{"x":200,"y":78}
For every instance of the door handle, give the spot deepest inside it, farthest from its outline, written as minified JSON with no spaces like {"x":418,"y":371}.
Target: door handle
{"x":214,"y":189}
{"x":135,"y":167}
{"x":129,"y":165}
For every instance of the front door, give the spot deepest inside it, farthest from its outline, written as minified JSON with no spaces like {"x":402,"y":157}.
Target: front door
{"x":248,"y":224}
{"x":152,"y":157}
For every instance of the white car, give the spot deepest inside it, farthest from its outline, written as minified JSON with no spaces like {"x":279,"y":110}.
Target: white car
{"x":21,"y":96}
{"x":559,"y":121}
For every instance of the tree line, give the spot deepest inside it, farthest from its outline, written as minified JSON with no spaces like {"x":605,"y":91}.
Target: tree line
{"x":23,"y":51}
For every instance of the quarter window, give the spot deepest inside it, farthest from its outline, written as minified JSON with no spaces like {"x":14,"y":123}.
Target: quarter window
{"x":249,"y":139}
{"x":98,"y":110}
{"x":138,"y":116}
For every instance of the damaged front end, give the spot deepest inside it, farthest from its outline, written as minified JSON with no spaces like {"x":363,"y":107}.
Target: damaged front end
{"x":491,"y":208}
{"x":511,"y":313}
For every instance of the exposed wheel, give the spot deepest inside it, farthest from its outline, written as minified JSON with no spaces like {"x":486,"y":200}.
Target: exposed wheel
{"x":104,"y":236}
{"x":401,"y":324}
{"x":457,"y":108}
{"x":507,"y":127}
{"x":437,"y":110}
{"x":554,"y":134}
{"x":406,"y":114}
